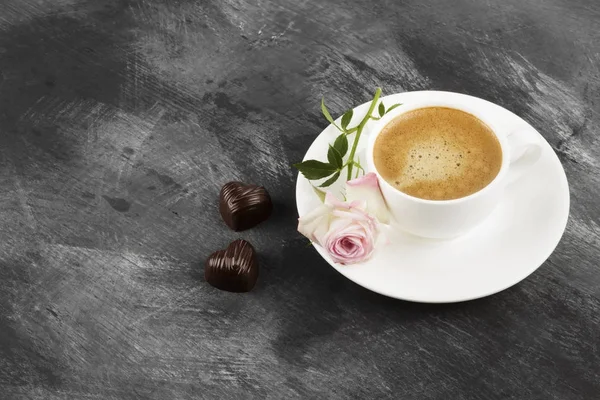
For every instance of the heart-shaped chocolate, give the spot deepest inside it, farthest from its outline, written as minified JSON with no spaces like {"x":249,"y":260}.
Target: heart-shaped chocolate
{"x":244,"y":206}
{"x":234,"y":269}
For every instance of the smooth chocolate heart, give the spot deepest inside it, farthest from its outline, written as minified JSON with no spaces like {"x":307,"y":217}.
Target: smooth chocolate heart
{"x":234,"y":269}
{"x":244,"y":206}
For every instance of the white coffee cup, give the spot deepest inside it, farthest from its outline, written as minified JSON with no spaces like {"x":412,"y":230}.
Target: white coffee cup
{"x":444,"y":219}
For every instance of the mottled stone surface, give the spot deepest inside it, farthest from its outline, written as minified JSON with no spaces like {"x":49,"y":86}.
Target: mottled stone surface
{"x":121,"y":119}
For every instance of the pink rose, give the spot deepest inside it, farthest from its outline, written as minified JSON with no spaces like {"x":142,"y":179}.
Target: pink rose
{"x":346,"y":229}
{"x":352,"y":232}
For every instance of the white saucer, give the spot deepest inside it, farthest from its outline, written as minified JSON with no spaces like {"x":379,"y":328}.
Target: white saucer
{"x":512,"y":243}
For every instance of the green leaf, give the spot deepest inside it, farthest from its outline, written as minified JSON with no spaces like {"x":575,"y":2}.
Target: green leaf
{"x":381,"y":110}
{"x":320,"y":194}
{"x":341,"y":144}
{"x":334,"y":157}
{"x":325,"y":112}
{"x":392,"y":107}
{"x":313,"y":169}
{"x":331,"y":180}
{"x":346,"y":118}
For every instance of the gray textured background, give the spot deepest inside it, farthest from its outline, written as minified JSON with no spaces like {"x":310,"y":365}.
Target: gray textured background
{"x":120,"y":120}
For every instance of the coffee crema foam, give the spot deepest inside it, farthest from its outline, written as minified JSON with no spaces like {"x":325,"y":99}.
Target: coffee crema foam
{"x":437,"y":153}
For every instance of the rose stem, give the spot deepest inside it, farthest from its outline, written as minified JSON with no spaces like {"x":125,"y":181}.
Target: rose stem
{"x":359,"y":131}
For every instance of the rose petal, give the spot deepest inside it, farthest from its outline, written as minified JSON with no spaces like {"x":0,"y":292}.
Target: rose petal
{"x":367,"y":188}
{"x":316,"y":223}
{"x":357,"y":216}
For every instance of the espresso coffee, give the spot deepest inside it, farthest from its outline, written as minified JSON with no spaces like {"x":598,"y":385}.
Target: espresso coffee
{"x":437,"y":153}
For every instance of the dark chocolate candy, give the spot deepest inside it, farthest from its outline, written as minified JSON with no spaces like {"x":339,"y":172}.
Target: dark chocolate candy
{"x":234,"y":269}
{"x":244,"y":206}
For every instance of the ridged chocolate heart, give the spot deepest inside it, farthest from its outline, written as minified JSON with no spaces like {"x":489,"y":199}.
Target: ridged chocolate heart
{"x":234,"y":269}
{"x":244,"y":206}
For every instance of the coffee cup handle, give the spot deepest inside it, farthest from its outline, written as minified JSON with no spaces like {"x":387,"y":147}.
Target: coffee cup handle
{"x":525,"y":151}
